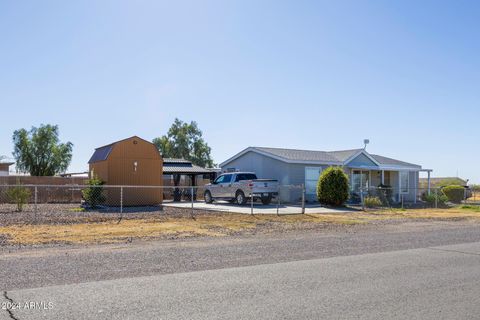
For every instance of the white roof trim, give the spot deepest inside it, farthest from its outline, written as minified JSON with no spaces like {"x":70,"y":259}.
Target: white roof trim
{"x":365,"y":153}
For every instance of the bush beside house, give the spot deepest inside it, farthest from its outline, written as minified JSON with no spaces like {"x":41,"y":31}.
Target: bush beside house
{"x":332,"y":187}
{"x":435,"y":198}
{"x":372,"y":202}
{"x":454,"y":193}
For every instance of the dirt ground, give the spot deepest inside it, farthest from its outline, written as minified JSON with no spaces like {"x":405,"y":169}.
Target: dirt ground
{"x":71,"y":225}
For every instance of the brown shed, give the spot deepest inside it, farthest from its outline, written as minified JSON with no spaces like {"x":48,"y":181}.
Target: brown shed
{"x":129,"y":162}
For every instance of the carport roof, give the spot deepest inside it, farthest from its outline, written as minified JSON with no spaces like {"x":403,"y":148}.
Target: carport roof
{"x":182,"y":166}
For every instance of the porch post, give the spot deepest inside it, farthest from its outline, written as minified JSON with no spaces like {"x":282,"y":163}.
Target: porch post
{"x":351,"y":180}
{"x":383,"y":177}
{"x":399,"y":187}
{"x":415,"y":187}
{"x":428,"y":181}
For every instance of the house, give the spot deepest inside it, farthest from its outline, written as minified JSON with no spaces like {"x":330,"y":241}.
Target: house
{"x":5,"y":168}
{"x":303,"y":167}
{"x":129,"y":162}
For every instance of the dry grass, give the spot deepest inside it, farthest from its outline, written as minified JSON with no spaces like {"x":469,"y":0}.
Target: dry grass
{"x":204,"y":225}
{"x":475,"y":197}
{"x":463,"y":212}
{"x":212,"y":225}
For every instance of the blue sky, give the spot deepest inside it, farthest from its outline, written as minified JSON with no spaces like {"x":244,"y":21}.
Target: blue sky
{"x":319,"y":75}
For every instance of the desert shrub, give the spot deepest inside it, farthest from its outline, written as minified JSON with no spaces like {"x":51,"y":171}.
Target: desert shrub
{"x":332,"y":187}
{"x":385,"y":193}
{"x":19,"y":195}
{"x":372,"y":202}
{"x":435,"y":198}
{"x":454,"y":194}
{"x":94,"y":195}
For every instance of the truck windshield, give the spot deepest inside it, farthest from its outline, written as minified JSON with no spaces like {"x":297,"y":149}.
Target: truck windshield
{"x":245,"y":176}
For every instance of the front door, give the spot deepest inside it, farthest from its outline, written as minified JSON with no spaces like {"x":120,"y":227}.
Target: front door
{"x":311,"y":179}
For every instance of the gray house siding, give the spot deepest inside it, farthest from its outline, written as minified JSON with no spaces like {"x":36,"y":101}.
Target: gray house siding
{"x":264,"y":167}
{"x":297,"y":178}
{"x":362,"y":161}
{"x":288,"y":175}
{"x":293,"y":174}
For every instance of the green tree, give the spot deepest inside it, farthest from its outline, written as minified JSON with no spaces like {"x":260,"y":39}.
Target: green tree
{"x":332,"y":187}
{"x":39,"y":151}
{"x":184,"y":140}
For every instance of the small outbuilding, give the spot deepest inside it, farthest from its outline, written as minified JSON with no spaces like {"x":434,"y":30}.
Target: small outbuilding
{"x":5,"y":168}
{"x":130,"y":162}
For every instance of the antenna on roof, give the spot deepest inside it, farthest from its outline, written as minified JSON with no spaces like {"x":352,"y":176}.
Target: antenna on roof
{"x":365,"y":142}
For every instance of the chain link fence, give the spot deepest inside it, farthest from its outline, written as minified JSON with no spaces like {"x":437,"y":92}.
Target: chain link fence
{"x":62,"y":203}
{"x":382,"y":197}
{"x":35,"y":202}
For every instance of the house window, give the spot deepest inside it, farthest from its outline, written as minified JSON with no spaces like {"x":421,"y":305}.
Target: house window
{"x":404,"y":181}
{"x":311,"y":179}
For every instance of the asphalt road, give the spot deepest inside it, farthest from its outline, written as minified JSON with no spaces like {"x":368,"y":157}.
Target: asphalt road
{"x":416,"y":272}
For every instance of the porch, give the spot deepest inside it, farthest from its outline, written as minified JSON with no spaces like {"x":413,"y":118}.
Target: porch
{"x":392,"y":185}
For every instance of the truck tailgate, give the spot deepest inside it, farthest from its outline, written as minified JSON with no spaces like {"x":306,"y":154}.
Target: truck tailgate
{"x":265,"y":186}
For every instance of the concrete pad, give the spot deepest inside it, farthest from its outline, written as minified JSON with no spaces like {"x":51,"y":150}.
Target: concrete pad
{"x":258,"y":208}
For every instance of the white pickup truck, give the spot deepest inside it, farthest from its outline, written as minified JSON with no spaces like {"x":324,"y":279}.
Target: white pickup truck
{"x":238,"y":187}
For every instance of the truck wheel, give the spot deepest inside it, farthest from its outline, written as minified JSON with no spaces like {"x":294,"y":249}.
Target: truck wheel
{"x":266,"y":200}
{"x":240,"y":198}
{"x":208,"y":197}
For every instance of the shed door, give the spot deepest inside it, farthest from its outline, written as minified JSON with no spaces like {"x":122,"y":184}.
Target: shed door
{"x":311,"y":179}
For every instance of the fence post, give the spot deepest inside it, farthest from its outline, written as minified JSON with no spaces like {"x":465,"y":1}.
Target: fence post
{"x":36,"y":200}
{"x":121,"y":199}
{"x":361,"y":199}
{"x":191,"y":197}
{"x":278,"y":202}
{"x":436,"y":198}
{"x":251,"y":201}
{"x":402,"y":200}
{"x":303,"y":199}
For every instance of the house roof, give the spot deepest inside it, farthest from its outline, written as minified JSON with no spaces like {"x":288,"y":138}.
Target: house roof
{"x":341,"y":157}
{"x":301,"y":155}
{"x":182,"y":166}
{"x":393,"y":162}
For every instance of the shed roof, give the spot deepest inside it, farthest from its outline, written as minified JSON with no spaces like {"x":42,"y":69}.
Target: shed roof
{"x":102,"y":153}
